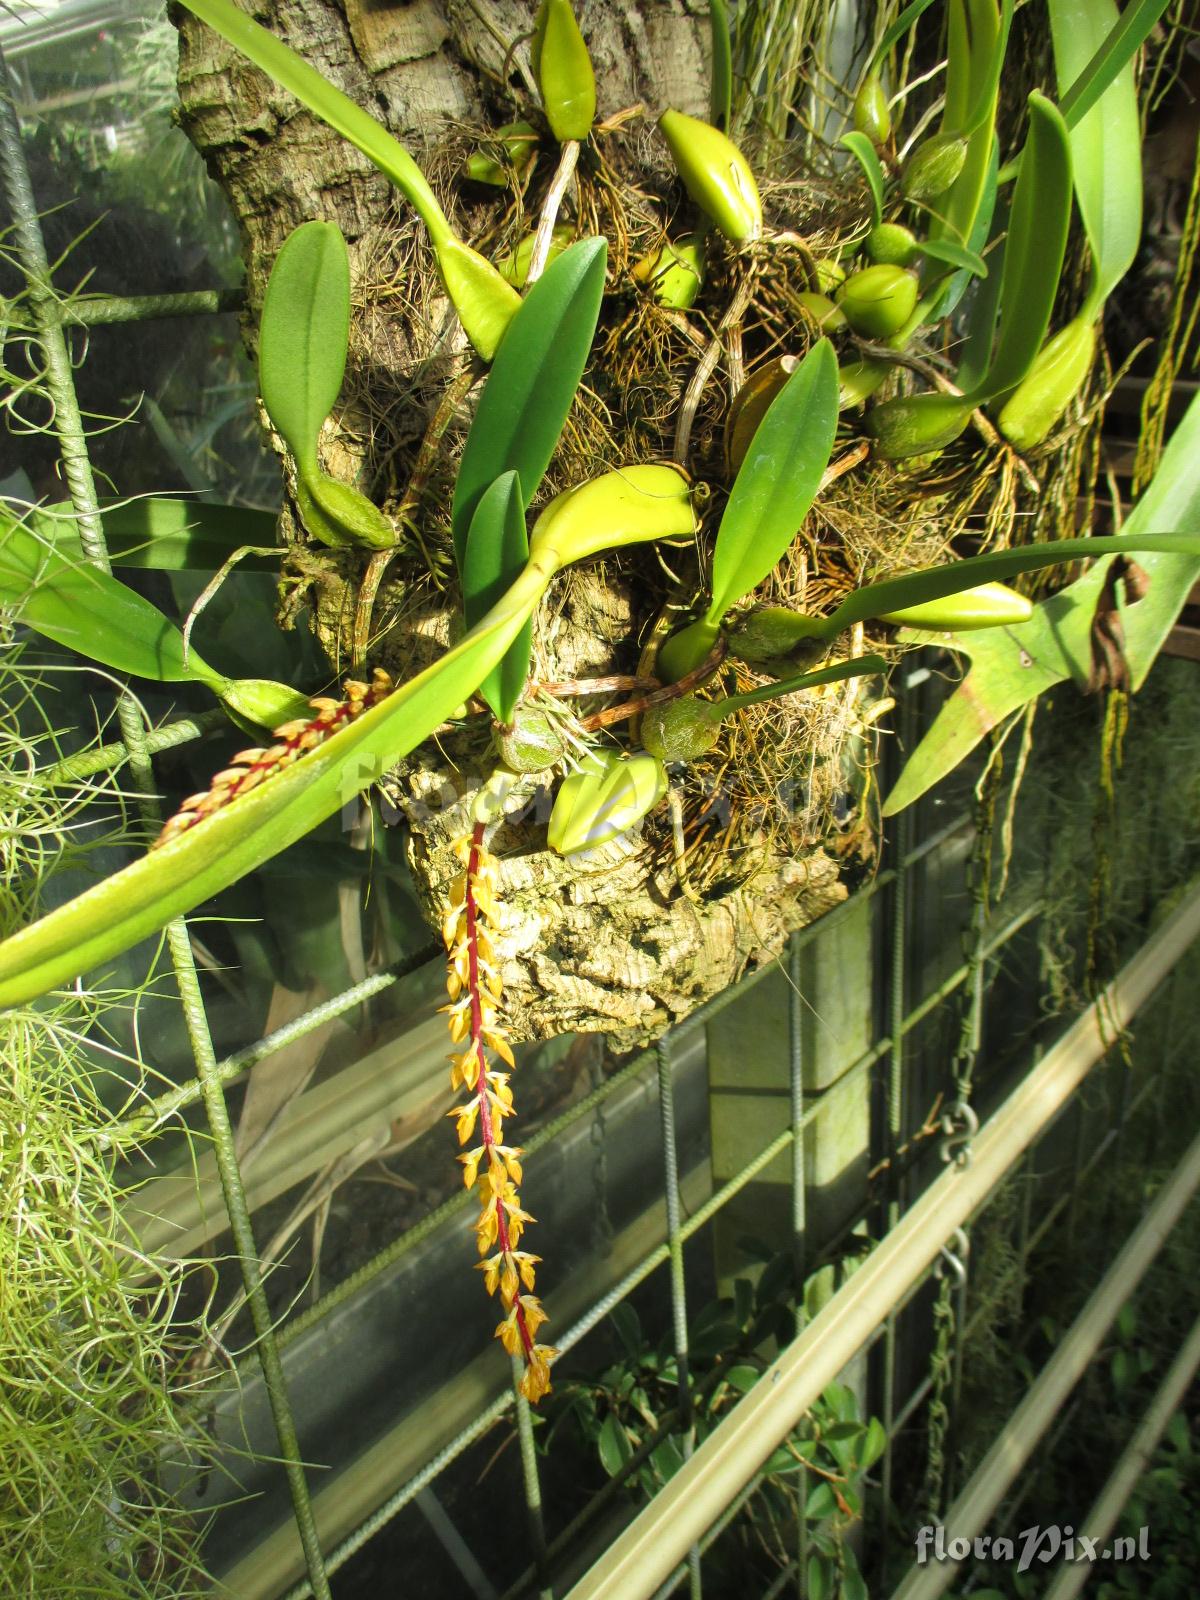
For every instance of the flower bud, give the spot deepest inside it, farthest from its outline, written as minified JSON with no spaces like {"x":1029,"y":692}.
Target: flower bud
{"x":890,"y":243}
{"x":828,"y":317}
{"x":988,"y":605}
{"x":604,"y":799}
{"x":564,"y":71}
{"x":681,"y":730}
{"x":532,"y":744}
{"x":519,"y":142}
{"x":917,"y":424}
{"x":715,"y":174}
{"x":858,"y":381}
{"x":872,"y":114}
{"x":675,"y":272}
{"x":1056,"y":377}
{"x":933,"y":167}
{"x":878,"y":301}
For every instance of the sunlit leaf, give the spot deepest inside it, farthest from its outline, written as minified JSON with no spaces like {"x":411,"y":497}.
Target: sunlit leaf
{"x":720,"y":89}
{"x":532,"y":382}
{"x":1119,"y":47}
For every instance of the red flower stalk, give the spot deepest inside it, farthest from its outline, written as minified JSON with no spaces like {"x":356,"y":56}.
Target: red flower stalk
{"x":492,"y":1168}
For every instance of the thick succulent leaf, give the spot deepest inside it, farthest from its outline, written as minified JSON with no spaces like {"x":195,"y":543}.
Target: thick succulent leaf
{"x":987,"y":59}
{"x":778,"y":479}
{"x":863,"y":151}
{"x":303,"y":335}
{"x":973,"y":30}
{"x":1106,"y":144}
{"x":496,"y":553}
{"x":935,"y":583}
{"x":532,"y":382}
{"x":1033,"y":253}
{"x":209,"y":856}
{"x":326,"y":101}
{"x":1012,"y":666}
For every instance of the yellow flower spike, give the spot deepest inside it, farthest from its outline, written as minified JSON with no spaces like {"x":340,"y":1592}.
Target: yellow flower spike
{"x":466,"y":1116}
{"x":534,"y":1315}
{"x":716,"y":174}
{"x":564,"y":72}
{"x":509,"y":1282}
{"x":509,"y":1334}
{"x":491,"y":1272}
{"x":536,"y":1380}
{"x":525,"y":1266}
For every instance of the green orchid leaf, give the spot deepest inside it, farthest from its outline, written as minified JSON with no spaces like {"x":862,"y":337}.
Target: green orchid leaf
{"x":953,"y":255}
{"x":982,"y":313}
{"x":164,"y":534}
{"x":1033,"y":253}
{"x":496,"y":553}
{"x":858,"y":667}
{"x":532,"y":383}
{"x":62,"y":596}
{"x":67,"y":599}
{"x":863,"y":151}
{"x":303,"y":336}
{"x":206,"y":858}
{"x":324,"y":100}
{"x":935,"y":583}
{"x":778,"y":479}
{"x":1120,"y":44}
{"x":720,"y":87}
{"x":1106,"y":144}
{"x":1012,"y":666}
{"x":946,"y":303}
{"x":987,"y":60}
{"x":973,"y":33}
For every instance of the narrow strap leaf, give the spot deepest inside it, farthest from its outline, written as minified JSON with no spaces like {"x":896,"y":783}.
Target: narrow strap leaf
{"x":532,"y":383}
{"x":936,"y":583}
{"x":907,"y":19}
{"x":165,"y":533}
{"x":863,"y":151}
{"x":859,"y":667}
{"x":953,"y":255}
{"x":720,"y":89}
{"x":282,"y":63}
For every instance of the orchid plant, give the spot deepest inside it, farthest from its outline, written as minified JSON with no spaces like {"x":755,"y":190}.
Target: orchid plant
{"x":323,"y":752}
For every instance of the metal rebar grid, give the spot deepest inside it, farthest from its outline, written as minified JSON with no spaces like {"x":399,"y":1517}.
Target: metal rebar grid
{"x":641,"y":1556}
{"x":58,"y":384}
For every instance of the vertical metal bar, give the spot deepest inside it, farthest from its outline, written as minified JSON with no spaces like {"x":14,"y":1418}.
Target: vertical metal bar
{"x":77,"y":470}
{"x":897,"y":989}
{"x":799,"y":1218}
{"x":666,"y":1111}
{"x":532,"y":1483}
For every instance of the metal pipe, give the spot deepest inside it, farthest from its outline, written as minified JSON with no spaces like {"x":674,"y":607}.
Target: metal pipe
{"x":646,"y":1552}
{"x":1132,"y":1463}
{"x":1016,"y":1441}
